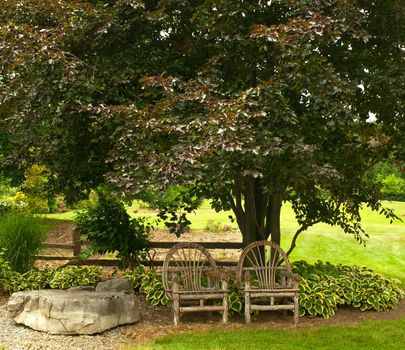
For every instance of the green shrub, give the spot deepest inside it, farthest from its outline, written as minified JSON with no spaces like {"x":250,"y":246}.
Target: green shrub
{"x":322,"y":289}
{"x":16,"y":202}
{"x":37,"y":196}
{"x":5,"y":266}
{"x":6,"y":188}
{"x":148,"y":282}
{"x":74,"y":276}
{"x":325,"y":286}
{"x":390,"y":178}
{"x":109,"y":227}
{"x":393,"y":188}
{"x":91,"y":201}
{"x":213,"y":226}
{"x":21,"y":236}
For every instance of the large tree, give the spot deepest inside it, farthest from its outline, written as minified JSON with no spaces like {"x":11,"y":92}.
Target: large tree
{"x":249,"y":103}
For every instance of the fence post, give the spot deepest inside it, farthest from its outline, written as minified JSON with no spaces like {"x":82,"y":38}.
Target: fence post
{"x":76,"y":242}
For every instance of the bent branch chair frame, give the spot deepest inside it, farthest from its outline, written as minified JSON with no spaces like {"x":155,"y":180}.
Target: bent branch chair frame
{"x":264,"y":273}
{"x":190,"y":275}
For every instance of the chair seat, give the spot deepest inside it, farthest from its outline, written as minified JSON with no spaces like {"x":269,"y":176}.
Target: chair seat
{"x":202,"y":292}
{"x":275,"y":290}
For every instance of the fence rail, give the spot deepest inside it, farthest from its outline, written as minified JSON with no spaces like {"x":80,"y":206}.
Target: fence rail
{"x":76,"y":248}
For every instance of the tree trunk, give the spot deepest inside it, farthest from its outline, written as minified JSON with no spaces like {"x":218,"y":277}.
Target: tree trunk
{"x":275,"y":212}
{"x":257,"y":212}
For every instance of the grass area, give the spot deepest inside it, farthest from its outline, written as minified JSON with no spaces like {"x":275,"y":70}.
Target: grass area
{"x":382,"y":335}
{"x":385,"y":250}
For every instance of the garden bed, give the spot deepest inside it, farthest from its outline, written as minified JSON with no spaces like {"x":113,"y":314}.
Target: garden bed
{"x":157,"y":320}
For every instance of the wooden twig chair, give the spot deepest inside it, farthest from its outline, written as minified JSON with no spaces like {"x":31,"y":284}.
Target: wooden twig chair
{"x":190,"y":275}
{"x":264,"y":274}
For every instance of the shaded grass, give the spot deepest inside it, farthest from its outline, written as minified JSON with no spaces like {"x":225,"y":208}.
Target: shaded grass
{"x":382,"y":335}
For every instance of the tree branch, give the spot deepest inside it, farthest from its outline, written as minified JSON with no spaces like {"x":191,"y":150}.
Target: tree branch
{"x":299,"y":231}
{"x":238,"y":196}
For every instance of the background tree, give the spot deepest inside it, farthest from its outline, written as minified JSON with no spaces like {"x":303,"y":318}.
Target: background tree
{"x":391,"y":176}
{"x":250,"y":103}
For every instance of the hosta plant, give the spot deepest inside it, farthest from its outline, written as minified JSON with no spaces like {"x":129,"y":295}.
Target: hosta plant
{"x":235,"y":298}
{"x":74,"y":276}
{"x":325,"y":286}
{"x":62,"y":278}
{"x":31,"y":280}
{"x":148,"y":282}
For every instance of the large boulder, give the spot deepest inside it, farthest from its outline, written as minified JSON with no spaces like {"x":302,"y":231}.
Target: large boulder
{"x":114,"y":284}
{"x":75,"y":311}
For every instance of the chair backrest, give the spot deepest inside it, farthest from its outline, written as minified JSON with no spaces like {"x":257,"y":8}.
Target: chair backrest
{"x":266,"y":263}
{"x":190,"y":262}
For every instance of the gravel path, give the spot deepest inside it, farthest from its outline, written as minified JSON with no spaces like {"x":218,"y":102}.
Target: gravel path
{"x":17,"y":337}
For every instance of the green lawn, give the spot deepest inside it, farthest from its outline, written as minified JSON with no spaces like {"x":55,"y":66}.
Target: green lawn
{"x":385,"y":250}
{"x":370,"y":335}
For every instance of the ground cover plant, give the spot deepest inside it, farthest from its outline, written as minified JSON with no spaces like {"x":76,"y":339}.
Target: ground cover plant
{"x":59,"y":278}
{"x":325,"y":286}
{"x":148,"y":282}
{"x":383,"y":335}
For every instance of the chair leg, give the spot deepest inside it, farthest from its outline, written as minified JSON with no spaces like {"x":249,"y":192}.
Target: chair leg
{"x":176,"y":309}
{"x":248,"y":317}
{"x":296,"y":309}
{"x":225,"y":312}
{"x":225,"y":301}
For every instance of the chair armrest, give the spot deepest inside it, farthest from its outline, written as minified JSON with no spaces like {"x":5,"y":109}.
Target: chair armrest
{"x":291,"y":275}
{"x":220,"y":275}
{"x":215,"y":275}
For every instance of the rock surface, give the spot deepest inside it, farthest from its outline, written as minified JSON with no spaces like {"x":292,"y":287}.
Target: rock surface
{"x":115,"y":284}
{"x":73,"y":311}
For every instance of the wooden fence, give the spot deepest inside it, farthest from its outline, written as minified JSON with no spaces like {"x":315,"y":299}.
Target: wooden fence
{"x":76,"y":247}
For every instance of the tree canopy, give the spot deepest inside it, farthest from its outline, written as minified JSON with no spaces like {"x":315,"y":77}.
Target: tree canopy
{"x":249,"y":103}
